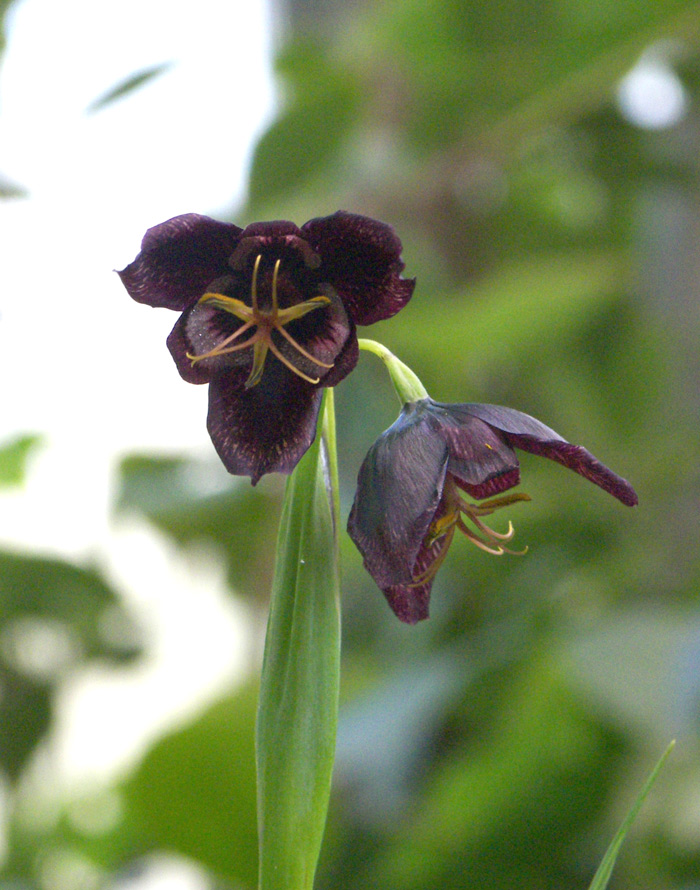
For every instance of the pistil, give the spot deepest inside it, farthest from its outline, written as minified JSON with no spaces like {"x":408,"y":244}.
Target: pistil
{"x":264,"y":322}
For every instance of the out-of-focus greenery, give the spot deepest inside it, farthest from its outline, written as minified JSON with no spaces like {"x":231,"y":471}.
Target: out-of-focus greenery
{"x":53,"y":617}
{"x":555,"y":241}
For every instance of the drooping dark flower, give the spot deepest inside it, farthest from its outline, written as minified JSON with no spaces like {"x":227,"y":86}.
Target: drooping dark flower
{"x":268,"y":319}
{"x":410,"y":492}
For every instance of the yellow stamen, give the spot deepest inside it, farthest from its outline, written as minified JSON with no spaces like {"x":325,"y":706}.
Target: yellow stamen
{"x":432,"y":569}
{"x":486,"y":508}
{"x":301,"y":349}
{"x":485,"y":538}
{"x":254,"y":285}
{"x":496,"y":550}
{"x":441,"y":526}
{"x":264,"y":322}
{"x":220,"y":348}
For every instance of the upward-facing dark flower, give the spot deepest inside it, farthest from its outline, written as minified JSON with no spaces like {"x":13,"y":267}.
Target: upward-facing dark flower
{"x":268,"y":319}
{"x":409,"y":499}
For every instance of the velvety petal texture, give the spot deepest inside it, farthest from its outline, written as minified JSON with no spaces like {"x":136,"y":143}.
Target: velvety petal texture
{"x":410,"y":602}
{"x":362,"y":259}
{"x":268,"y":319}
{"x":407,"y":504}
{"x":528,"y":434}
{"x":398,"y":493}
{"x":266,"y":428}
{"x":178,"y":259}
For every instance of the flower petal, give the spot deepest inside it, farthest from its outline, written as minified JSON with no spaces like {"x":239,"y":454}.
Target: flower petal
{"x":345,"y":360}
{"x":322,"y":333}
{"x":398,"y":492}
{"x":411,"y":602}
{"x":581,"y":461}
{"x":179,"y":345}
{"x":178,"y":259}
{"x":528,"y":434}
{"x":264,"y":429}
{"x":481,"y":461}
{"x":279,"y":237}
{"x":361,"y":258}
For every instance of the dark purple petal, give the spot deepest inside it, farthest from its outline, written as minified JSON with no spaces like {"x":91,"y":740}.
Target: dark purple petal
{"x":178,"y":259}
{"x":361,"y":258}
{"x":524,"y":432}
{"x":322,"y":333}
{"x":398,"y":492}
{"x":264,"y":429}
{"x":205,"y":327}
{"x":345,"y":360}
{"x":508,"y":420}
{"x":481,"y":461}
{"x":179,"y":346}
{"x":326,"y":333}
{"x":581,"y":461}
{"x":279,"y":237}
{"x":411,"y":602}
{"x":272,"y":229}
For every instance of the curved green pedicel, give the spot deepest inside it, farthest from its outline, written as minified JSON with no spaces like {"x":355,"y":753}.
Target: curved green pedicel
{"x":406,"y":383}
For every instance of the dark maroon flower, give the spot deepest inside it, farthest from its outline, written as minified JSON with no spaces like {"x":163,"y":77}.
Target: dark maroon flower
{"x":268,"y":319}
{"x":409,"y":498}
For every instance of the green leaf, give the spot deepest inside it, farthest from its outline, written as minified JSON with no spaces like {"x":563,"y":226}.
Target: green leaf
{"x":602,"y":876}
{"x":4,"y":6}
{"x":129,"y":85}
{"x":511,"y":312}
{"x":500,"y":72}
{"x":13,"y":459}
{"x":297,"y":716}
{"x":194,"y":793}
{"x":53,"y":616}
{"x":506,"y":806}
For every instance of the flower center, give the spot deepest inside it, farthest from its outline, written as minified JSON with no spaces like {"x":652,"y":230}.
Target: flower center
{"x":485,"y":538}
{"x":262,"y":322}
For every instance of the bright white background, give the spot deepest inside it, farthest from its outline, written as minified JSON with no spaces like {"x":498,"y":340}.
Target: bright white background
{"x":80,"y":362}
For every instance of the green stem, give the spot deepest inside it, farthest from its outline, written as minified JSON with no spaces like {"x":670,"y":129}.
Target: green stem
{"x":406,"y":383}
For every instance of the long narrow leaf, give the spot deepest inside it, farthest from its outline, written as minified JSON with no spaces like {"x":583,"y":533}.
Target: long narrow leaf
{"x":297,"y":716}
{"x":602,"y":876}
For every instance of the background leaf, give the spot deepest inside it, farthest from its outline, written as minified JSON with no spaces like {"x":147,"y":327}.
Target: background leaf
{"x":129,"y":85}
{"x":13,"y":459}
{"x":53,"y":618}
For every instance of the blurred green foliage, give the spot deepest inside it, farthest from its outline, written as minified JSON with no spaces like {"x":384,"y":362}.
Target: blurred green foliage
{"x":554,"y":239}
{"x":14,"y":456}
{"x":51,"y":620}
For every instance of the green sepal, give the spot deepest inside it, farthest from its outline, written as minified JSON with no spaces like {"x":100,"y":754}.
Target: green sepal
{"x":297,"y":714}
